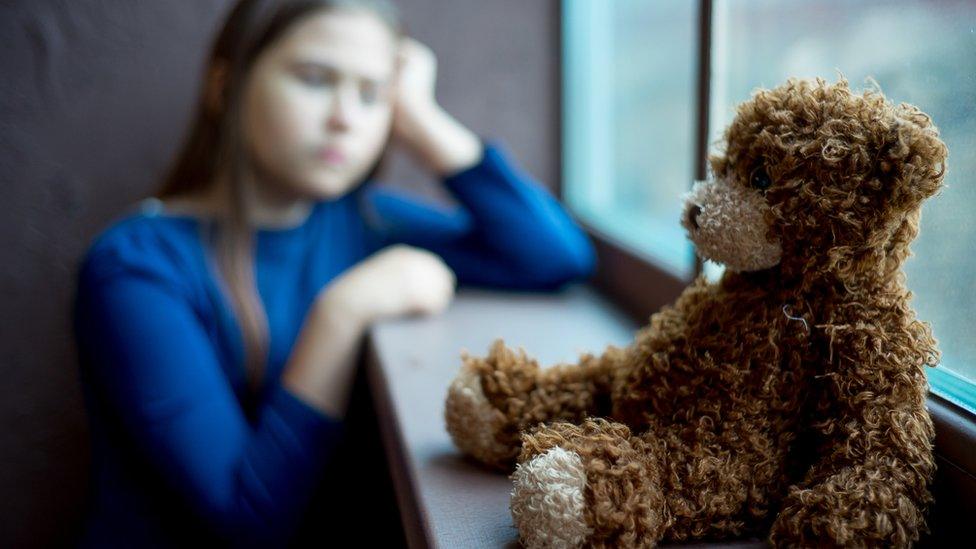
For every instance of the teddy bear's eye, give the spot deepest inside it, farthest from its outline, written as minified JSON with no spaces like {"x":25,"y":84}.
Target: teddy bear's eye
{"x":760,"y":179}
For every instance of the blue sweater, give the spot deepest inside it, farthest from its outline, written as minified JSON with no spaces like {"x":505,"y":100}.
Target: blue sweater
{"x":179,"y":453}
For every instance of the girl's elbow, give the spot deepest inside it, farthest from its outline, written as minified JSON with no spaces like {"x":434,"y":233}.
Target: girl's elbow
{"x":574,"y":262}
{"x":578,"y":258}
{"x":579,"y":253}
{"x":585,"y":259}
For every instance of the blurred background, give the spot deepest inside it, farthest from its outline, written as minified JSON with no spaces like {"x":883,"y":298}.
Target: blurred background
{"x":94,"y":99}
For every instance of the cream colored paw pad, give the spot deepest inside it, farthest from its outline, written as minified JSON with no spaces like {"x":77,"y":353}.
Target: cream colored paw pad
{"x":472,"y":421}
{"x":548,"y":500}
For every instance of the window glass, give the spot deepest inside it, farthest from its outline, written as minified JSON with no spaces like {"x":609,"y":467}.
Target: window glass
{"x":629,"y":105}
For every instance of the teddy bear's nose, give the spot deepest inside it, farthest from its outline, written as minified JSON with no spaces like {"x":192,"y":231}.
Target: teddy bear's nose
{"x":693,"y":215}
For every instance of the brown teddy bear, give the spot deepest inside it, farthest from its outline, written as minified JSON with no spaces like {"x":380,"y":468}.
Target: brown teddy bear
{"x":786,"y":400}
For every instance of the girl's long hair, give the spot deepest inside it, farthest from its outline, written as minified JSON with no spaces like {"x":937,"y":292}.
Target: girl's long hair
{"x":215,"y":151}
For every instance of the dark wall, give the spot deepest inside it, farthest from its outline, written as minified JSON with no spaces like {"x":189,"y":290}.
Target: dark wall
{"x":94,"y":99}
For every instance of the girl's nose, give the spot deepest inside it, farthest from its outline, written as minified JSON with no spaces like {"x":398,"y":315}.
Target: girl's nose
{"x":341,"y":113}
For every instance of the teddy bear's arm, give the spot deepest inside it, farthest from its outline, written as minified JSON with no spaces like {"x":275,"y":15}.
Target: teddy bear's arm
{"x":869,"y":485}
{"x":494,"y":398}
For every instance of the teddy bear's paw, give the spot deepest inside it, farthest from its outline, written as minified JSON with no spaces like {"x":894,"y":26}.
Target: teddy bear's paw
{"x":475,"y":426}
{"x":548,"y":502}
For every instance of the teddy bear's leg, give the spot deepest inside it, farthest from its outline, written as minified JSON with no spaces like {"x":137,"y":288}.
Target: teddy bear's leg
{"x":717,"y":490}
{"x":494,"y":398}
{"x":870,"y":490}
{"x":869,"y":482}
{"x":588,"y":484}
{"x":859,"y":506}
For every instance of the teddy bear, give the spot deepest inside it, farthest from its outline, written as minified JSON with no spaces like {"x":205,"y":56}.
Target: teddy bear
{"x":784,"y":401}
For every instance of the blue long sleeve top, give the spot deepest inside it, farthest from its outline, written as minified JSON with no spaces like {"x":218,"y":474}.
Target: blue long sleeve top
{"x":179,"y":452}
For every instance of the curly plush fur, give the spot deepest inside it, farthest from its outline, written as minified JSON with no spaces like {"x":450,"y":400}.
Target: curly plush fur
{"x":787,"y":399}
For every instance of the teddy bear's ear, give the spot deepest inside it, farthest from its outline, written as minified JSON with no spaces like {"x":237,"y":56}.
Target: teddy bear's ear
{"x":912,"y":160}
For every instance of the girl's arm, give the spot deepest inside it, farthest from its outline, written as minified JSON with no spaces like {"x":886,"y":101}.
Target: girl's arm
{"x":510,"y":231}
{"x":151,"y":363}
{"x":395,"y":281}
{"x":507,"y":232}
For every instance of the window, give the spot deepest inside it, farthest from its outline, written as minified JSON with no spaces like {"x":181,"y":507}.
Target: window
{"x":630,"y":101}
{"x":628,"y":140}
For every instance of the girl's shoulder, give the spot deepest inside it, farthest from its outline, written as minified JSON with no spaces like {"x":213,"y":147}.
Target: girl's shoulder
{"x":143,"y":241}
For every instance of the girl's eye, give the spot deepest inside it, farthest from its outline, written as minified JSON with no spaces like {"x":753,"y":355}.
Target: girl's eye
{"x":369,"y":93}
{"x":317,"y":78}
{"x":760,"y":180}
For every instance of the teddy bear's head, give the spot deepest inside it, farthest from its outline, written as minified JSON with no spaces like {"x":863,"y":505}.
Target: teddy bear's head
{"x":814,"y":178}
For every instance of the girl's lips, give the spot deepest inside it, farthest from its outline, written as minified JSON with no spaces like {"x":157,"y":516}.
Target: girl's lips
{"x":331,"y":155}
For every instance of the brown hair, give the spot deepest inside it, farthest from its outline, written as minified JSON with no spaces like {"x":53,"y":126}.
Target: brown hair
{"x":215,"y":150}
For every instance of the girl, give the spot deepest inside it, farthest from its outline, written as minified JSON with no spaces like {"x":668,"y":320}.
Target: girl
{"x":217,"y":326}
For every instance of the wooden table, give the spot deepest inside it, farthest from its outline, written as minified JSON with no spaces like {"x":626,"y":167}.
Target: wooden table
{"x":445,"y":499}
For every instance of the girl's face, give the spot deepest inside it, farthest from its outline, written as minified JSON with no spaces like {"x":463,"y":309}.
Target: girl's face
{"x":317,"y":107}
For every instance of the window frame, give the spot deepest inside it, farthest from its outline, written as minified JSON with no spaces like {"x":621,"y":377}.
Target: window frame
{"x":639,"y":283}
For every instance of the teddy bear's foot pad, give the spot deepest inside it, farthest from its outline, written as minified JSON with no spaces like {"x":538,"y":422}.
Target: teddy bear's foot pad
{"x":473,"y":422}
{"x":548,"y":500}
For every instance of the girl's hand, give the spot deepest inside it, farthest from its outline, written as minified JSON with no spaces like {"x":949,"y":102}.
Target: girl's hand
{"x":420,"y":123}
{"x":416,"y":78}
{"x":395,"y":281}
